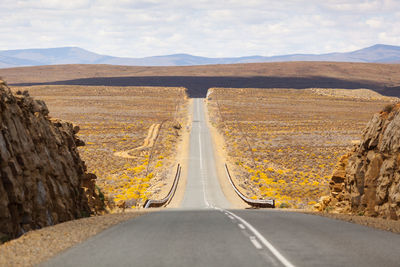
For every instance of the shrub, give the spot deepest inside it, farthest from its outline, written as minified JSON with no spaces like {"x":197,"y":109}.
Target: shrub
{"x":4,"y":238}
{"x":388,"y":108}
{"x":2,"y":81}
{"x":101,"y":195}
{"x":284,"y":205}
{"x":328,"y":209}
{"x":85,"y":214}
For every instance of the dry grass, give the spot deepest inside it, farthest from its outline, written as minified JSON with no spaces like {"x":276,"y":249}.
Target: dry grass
{"x":114,"y":119}
{"x":283,"y":144}
{"x":387,"y":74}
{"x":383,"y":78}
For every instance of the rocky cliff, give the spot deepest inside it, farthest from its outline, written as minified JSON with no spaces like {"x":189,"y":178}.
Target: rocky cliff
{"x":43,"y":181}
{"x":367,"y":179}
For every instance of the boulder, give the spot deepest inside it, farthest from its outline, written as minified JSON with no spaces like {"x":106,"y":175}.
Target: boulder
{"x":41,"y":172}
{"x":367,"y":179}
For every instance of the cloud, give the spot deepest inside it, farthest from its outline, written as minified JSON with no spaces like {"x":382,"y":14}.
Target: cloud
{"x":374,"y":23}
{"x":52,"y":4}
{"x":203,"y":27}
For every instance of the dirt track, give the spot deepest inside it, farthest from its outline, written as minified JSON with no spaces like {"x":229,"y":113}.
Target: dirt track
{"x":148,"y":142}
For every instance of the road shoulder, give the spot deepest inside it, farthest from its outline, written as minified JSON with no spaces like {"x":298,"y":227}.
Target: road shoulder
{"x":40,"y":245}
{"x":220,"y":159}
{"x":182,"y":158}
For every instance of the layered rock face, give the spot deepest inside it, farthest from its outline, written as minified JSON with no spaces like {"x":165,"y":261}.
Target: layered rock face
{"x":367,"y":180}
{"x":41,"y":173}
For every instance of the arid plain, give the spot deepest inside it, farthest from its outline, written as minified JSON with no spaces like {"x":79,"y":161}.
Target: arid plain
{"x":383,"y":78}
{"x":278,"y":141}
{"x":284,"y":143}
{"x":281,"y":143}
{"x":131,"y":135}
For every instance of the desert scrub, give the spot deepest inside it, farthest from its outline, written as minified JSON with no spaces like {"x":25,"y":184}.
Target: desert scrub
{"x":388,"y":108}
{"x":114,"y":119}
{"x":284,"y":144}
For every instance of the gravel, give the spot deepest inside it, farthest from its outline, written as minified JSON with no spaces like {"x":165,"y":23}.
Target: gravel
{"x":378,"y":223}
{"x":37,"y":246}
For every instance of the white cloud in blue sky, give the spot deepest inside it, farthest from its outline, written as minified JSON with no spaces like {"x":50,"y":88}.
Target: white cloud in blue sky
{"x":204,"y":27}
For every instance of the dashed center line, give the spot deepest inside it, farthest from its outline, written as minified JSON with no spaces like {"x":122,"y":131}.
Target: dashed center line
{"x":255,"y":242}
{"x":258,"y":241}
{"x":202,"y":169}
{"x":241,"y":226}
{"x":285,"y":262}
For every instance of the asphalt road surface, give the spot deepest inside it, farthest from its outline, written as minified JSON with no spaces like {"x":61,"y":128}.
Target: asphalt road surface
{"x":204,"y":232}
{"x":202,"y":186}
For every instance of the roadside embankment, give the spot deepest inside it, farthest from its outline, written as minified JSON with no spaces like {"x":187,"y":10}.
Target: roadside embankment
{"x":40,"y":245}
{"x":43,"y":180}
{"x":366,"y":181}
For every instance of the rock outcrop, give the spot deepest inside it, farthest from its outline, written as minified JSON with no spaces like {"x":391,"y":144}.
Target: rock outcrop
{"x":43,"y":181}
{"x":367,"y":179}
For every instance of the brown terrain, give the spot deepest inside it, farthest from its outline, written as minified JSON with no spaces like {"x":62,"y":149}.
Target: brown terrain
{"x":284,"y":143}
{"x":43,"y":180}
{"x":131,"y":135}
{"x":367,"y":179}
{"x":383,"y":78}
{"x":40,"y":245}
{"x":280,"y":143}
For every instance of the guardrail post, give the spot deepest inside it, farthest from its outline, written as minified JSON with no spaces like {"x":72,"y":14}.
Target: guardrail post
{"x":165,"y":201}
{"x":260,"y":203}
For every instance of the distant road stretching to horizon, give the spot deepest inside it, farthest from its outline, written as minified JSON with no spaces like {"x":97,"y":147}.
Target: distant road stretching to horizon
{"x":204,"y":231}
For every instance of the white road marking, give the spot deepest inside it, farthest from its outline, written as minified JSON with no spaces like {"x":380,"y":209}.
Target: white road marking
{"x":257,"y":244}
{"x":201,"y":153}
{"x":201,"y":161}
{"x":198,"y":108}
{"x":243,"y":224}
{"x":263,"y":240}
{"x":257,"y":237}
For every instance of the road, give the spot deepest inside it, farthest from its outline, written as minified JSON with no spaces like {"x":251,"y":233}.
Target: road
{"x":205,"y":232}
{"x":202,"y":186}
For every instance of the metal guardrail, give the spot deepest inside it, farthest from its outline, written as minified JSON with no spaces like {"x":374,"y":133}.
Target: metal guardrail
{"x":151,"y":203}
{"x":259,"y":203}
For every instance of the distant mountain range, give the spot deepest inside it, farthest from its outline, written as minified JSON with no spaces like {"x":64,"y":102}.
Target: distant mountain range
{"x":74,"y":55}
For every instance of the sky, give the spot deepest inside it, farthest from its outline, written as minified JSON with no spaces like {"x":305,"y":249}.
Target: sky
{"x":211,"y":28}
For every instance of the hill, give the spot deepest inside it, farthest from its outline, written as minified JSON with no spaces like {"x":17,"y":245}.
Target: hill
{"x":74,"y":55}
{"x":382,"y":78}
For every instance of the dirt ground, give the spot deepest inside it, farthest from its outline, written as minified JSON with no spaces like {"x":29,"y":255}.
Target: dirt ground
{"x":377,"y":223}
{"x":131,"y":134}
{"x":379,"y":74}
{"x":284,"y":143}
{"x":182,"y":157}
{"x":384,"y":78}
{"x":37,"y":246}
